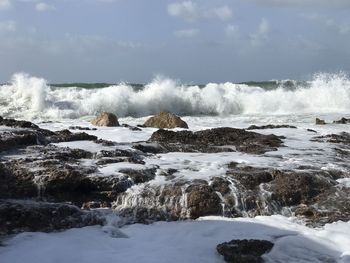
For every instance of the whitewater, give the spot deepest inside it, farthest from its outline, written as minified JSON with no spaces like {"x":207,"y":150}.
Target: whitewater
{"x":29,"y":97}
{"x":239,"y":105}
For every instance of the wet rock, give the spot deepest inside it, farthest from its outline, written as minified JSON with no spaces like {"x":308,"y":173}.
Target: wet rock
{"x":343,"y":137}
{"x":179,"y":200}
{"x":132,"y":128}
{"x":165,"y":120}
{"x":290,"y":188}
{"x":67,"y":136}
{"x":311,"y":130}
{"x":320,"y":122}
{"x":270,"y":126}
{"x":17,"y":124}
{"x":216,"y":140}
{"x":82,"y":128}
{"x":15,"y":139}
{"x":106,"y":119}
{"x":148,"y":147}
{"x":140,"y":176}
{"x":23,"y":215}
{"x":251,"y":177}
{"x":330,"y":206}
{"x":244,"y":251}
{"x":16,"y":182}
{"x":202,"y":200}
{"x":342,"y":121}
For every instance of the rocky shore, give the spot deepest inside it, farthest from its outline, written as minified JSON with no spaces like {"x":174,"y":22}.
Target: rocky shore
{"x":45,"y":186}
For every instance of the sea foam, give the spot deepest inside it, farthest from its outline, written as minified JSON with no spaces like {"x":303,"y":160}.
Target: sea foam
{"x":30,"y":97}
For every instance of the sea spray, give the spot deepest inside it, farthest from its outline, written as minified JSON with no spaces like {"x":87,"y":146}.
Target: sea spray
{"x":29,"y":97}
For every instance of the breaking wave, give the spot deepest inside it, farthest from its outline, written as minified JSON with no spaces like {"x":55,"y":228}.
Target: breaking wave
{"x":30,"y":97}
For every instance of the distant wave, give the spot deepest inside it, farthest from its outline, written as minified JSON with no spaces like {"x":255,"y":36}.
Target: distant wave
{"x":30,"y":97}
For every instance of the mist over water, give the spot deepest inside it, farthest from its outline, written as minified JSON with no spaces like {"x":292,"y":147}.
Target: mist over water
{"x":29,"y":97}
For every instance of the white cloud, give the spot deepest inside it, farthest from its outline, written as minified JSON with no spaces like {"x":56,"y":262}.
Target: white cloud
{"x":190,"y":11}
{"x":223,"y":12}
{"x":5,"y":4}
{"x":42,"y":7}
{"x":329,"y":23}
{"x":305,"y":3}
{"x":232,"y":31}
{"x":8,"y":26}
{"x":187,"y":33}
{"x":256,"y":39}
{"x":187,"y":10}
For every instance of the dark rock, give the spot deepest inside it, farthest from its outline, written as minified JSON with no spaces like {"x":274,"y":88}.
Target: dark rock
{"x":298,"y":188}
{"x":202,"y":200}
{"x":244,"y":251}
{"x":148,"y":147}
{"x":17,"y":124}
{"x":132,"y":128}
{"x":343,"y":137}
{"x":251,"y":177}
{"x":82,"y":128}
{"x":106,"y":119}
{"x":320,"y":122}
{"x":311,"y":130}
{"x":140,"y":176}
{"x":342,"y":121}
{"x":19,"y":216}
{"x":67,"y":136}
{"x":270,"y":126}
{"x":216,"y":140}
{"x":165,"y":120}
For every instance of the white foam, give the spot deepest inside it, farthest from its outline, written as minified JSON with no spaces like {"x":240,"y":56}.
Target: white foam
{"x":191,"y":241}
{"x":31,"y":97}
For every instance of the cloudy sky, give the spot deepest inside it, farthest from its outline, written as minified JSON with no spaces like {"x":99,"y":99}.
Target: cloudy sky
{"x":195,"y":41}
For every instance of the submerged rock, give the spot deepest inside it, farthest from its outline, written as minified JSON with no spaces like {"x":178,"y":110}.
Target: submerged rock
{"x":244,"y":251}
{"x":28,"y":216}
{"x":165,"y":120}
{"x":216,"y":140}
{"x":106,"y":119}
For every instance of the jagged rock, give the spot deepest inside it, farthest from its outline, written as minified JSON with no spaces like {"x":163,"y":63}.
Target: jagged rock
{"x":24,"y":215}
{"x":202,"y":200}
{"x":320,"y":122}
{"x":342,"y":121}
{"x":179,"y":200}
{"x":106,"y":119}
{"x":216,"y":140}
{"x":343,"y":137}
{"x":244,"y":251}
{"x":270,"y":126}
{"x":67,"y":136}
{"x":298,"y":188}
{"x":165,"y":120}
{"x":17,"y":124}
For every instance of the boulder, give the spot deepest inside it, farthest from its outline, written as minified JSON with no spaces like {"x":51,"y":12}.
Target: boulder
{"x":342,"y":121}
{"x":23,"y":215}
{"x":165,"y":120}
{"x":244,"y":251}
{"x":106,"y":119}
{"x":320,"y":122}
{"x":215,"y":140}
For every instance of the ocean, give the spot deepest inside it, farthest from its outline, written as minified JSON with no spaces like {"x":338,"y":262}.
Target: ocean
{"x":306,"y":151}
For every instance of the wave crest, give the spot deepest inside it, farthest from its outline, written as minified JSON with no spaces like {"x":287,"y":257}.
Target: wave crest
{"x":30,"y":97}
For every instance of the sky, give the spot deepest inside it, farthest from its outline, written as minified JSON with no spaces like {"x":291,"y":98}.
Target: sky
{"x":193,"y":41}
